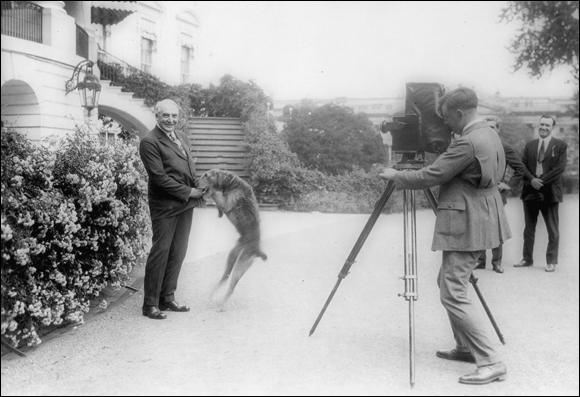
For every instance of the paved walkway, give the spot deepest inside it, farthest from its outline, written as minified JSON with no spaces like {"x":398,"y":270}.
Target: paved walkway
{"x":258,"y":344}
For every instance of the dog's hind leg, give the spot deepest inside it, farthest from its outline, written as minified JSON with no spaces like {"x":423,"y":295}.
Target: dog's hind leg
{"x":243,"y":263}
{"x":231,"y":261}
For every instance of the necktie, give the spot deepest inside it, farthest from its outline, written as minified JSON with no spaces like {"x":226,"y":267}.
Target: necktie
{"x":541,"y":155}
{"x":177,"y":142}
{"x":539,"y":166}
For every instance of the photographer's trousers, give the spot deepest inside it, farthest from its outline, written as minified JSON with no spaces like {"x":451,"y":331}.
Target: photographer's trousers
{"x":468,"y":330}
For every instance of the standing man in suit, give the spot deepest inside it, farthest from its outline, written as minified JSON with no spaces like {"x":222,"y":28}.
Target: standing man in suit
{"x":470,"y":219}
{"x":514,"y":162}
{"x":545,"y":161}
{"x":172,"y":197}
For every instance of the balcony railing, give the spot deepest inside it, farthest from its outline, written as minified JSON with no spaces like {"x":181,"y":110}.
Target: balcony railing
{"x":82,"y":43}
{"x":123,"y":75}
{"x":22,"y":19}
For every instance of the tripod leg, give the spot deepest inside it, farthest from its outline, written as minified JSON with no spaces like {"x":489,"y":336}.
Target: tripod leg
{"x":410,"y":277}
{"x":380,"y":204}
{"x":472,"y":278}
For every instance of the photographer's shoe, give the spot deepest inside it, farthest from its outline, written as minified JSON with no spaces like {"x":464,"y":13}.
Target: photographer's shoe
{"x":456,"y":355}
{"x":523,"y":263}
{"x":485,"y":374}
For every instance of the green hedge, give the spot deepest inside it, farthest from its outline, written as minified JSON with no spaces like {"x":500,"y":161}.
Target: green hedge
{"x":74,"y":219}
{"x":278,"y":177}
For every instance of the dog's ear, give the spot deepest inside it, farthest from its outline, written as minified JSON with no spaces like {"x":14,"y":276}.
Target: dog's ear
{"x":220,"y":177}
{"x":210,"y":176}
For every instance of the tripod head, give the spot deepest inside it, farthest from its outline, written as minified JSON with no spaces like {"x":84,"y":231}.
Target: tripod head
{"x":411,"y":162}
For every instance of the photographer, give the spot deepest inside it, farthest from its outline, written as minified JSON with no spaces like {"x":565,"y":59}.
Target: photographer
{"x":470,"y":219}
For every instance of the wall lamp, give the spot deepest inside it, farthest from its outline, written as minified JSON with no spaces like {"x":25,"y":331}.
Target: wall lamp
{"x":89,"y":88}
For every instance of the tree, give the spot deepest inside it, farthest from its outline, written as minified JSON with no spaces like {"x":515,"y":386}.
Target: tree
{"x":548,"y":36}
{"x":333,"y":139}
{"x":232,"y":98}
{"x":515,"y":133}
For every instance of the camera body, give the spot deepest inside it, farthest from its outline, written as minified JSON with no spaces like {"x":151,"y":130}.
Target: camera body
{"x":422,"y":128}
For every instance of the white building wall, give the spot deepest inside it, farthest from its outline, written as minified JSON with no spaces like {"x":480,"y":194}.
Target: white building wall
{"x":171,"y":19}
{"x":33,"y":88}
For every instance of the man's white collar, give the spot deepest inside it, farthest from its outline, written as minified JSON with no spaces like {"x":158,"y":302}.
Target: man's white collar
{"x":477,"y":120}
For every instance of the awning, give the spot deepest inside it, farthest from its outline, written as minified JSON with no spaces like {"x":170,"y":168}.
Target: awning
{"x":111,"y":12}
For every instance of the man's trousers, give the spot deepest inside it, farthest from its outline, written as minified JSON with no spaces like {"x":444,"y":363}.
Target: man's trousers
{"x":469,"y":333}
{"x":170,"y":239}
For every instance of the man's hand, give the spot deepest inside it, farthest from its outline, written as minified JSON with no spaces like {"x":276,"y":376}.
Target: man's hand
{"x":503,"y":187}
{"x":389,"y":173}
{"x":196,"y":193}
{"x":537,"y":183}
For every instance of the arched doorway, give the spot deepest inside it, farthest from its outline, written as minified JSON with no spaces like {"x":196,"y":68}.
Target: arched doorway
{"x":129,"y":122}
{"x":21,"y":109}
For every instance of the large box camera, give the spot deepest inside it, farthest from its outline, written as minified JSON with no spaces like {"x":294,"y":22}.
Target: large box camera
{"x":421,"y":129}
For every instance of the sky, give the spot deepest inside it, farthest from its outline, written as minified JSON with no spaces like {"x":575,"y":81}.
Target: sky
{"x":296,"y":50}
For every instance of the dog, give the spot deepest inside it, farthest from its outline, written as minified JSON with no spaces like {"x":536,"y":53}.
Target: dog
{"x":235,"y":198}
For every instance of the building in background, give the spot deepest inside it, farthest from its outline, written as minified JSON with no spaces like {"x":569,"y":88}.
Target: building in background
{"x":528,"y":110}
{"x":43,"y":42}
{"x":160,"y":38}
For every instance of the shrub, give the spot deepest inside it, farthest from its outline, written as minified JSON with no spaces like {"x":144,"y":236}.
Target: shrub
{"x":333,"y":138}
{"x":355,"y":192}
{"x":275,"y":173}
{"x":74,"y":218}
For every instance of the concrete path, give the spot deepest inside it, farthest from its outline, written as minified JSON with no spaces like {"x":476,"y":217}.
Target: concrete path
{"x":258,"y":343}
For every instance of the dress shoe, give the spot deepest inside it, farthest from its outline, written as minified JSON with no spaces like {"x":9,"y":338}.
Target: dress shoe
{"x":154,"y":313}
{"x":550,"y":267}
{"x":497,"y":268}
{"x":173,"y":306}
{"x":480,"y":266}
{"x":456,"y":355}
{"x":523,"y":263}
{"x":485,"y":374}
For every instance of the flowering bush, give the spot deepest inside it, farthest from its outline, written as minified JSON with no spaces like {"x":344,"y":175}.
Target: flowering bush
{"x":74,"y":218}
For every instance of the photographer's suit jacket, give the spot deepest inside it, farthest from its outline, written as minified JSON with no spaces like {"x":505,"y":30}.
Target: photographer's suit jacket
{"x":470,"y":212}
{"x":171,"y":174}
{"x":553,"y":166}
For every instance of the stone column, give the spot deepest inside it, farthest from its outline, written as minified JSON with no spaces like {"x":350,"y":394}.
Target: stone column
{"x":58,"y":28}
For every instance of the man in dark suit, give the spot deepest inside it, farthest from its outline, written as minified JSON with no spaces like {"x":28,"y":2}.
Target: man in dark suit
{"x":172,"y":197}
{"x":512,"y":160}
{"x":470,"y":219}
{"x":545,"y":161}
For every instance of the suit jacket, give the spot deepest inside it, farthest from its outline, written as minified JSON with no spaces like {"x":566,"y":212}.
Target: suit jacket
{"x":512,"y":160}
{"x":470,"y":212}
{"x":553,"y":166}
{"x":171,"y":174}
